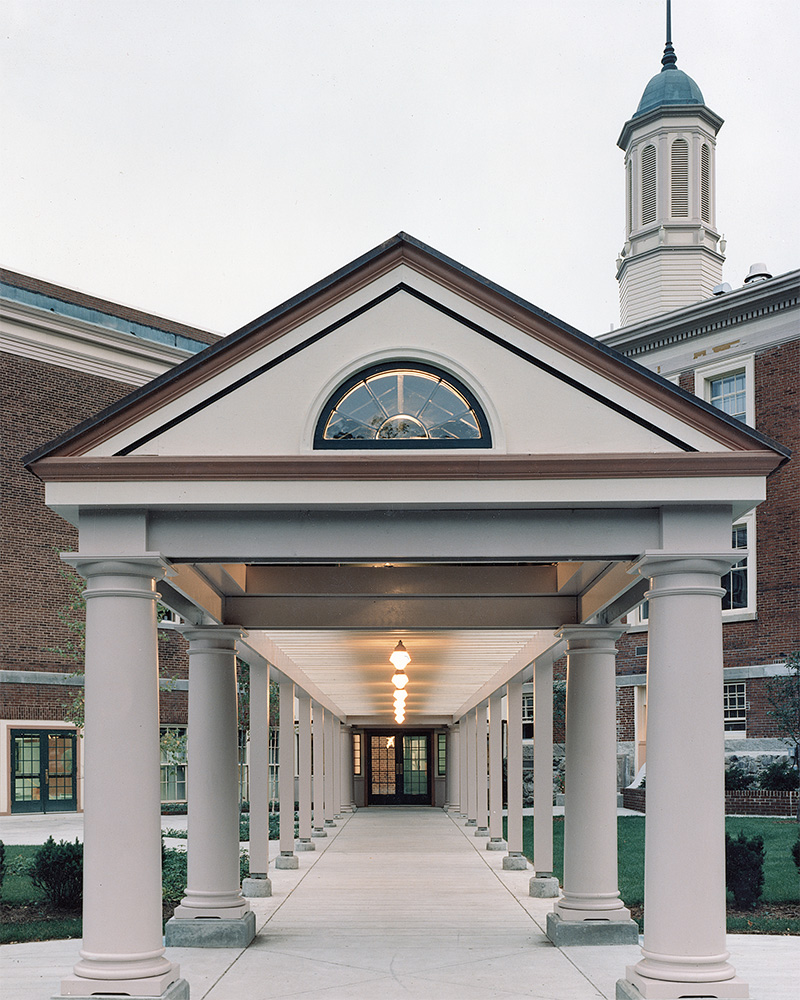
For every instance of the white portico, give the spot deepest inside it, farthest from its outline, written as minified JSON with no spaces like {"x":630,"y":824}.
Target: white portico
{"x":405,"y":451}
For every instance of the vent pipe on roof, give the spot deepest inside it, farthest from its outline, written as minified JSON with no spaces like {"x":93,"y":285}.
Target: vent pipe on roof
{"x":757,"y":272}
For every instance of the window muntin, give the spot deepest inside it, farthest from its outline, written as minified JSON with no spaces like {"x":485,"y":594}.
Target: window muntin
{"x":729,"y":394}
{"x":735,"y":708}
{"x":402,"y":405}
{"x":735,"y":581}
{"x":173,"y":763}
{"x":527,"y":716}
{"x":357,"y":755}
{"x":441,"y":754}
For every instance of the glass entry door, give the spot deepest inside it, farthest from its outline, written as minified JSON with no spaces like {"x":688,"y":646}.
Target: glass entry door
{"x":43,"y":771}
{"x":399,"y":773}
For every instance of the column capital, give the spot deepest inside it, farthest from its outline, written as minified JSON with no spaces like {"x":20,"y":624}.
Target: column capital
{"x":660,"y":563}
{"x":210,"y":637}
{"x":150,"y":564}
{"x":589,"y":636}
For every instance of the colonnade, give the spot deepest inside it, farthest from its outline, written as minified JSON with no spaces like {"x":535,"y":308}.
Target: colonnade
{"x":684,"y":944}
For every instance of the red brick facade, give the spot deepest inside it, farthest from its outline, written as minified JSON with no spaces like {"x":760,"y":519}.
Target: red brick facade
{"x":750,"y":802}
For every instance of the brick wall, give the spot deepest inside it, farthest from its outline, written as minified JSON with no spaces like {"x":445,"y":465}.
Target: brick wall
{"x":625,"y":720}
{"x":750,"y":802}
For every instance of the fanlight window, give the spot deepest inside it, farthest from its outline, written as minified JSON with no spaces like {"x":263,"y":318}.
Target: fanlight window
{"x":406,"y":406}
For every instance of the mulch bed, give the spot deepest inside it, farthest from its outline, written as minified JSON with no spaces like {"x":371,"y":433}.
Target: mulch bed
{"x":776,"y":911}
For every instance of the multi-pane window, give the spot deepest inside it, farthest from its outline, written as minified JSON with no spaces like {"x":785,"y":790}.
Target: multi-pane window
{"x":729,"y":394}
{"x":735,"y":581}
{"x":173,"y":763}
{"x":357,"y":754}
{"x":441,"y":754}
{"x":527,"y":716}
{"x":735,"y":707}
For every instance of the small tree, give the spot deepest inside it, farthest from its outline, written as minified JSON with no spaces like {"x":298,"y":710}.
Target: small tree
{"x":783,"y":695}
{"x":744,"y":869}
{"x":57,"y":869}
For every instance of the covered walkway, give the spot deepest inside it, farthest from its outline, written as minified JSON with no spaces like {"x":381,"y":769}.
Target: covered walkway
{"x":401,"y":902}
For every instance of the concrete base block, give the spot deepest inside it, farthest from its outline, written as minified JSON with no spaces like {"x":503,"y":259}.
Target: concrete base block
{"x":319,"y":833}
{"x":515,"y":863}
{"x":471,"y":822}
{"x":304,"y":845}
{"x":544,"y":887}
{"x":287,"y":862}
{"x":329,"y":822}
{"x":481,"y":831}
{"x":661,"y":989}
{"x":210,"y":932}
{"x":564,"y":933}
{"x":177,"y":990}
{"x":496,"y":845}
{"x":256,"y":887}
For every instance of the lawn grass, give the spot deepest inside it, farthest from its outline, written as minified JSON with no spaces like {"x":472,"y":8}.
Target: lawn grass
{"x":781,"y":882}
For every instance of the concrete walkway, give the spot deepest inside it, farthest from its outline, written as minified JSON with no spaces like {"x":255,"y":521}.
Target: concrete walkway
{"x":402,"y":903}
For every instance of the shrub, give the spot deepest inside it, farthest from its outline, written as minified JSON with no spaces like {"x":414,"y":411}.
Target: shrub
{"x":796,"y":853}
{"x":57,"y":869}
{"x":2,"y":866}
{"x":736,"y":778}
{"x":779,"y":776}
{"x":173,"y":808}
{"x":744,"y":869}
{"x":173,"y":875}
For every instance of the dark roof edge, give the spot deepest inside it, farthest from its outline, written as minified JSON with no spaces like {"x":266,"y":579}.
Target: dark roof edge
{"x":40,"y":287}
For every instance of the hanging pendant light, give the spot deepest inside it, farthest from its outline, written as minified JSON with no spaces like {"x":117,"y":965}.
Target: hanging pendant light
{"x":400,"y":659}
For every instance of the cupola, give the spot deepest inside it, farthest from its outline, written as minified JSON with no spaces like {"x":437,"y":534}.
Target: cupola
{"x":672,"y":255}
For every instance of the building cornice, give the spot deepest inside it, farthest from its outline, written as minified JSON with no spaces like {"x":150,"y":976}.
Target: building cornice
{"x":663,"y":114}
{"x":711,"y":315}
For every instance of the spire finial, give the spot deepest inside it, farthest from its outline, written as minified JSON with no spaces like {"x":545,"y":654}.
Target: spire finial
{"x":669,"y":58}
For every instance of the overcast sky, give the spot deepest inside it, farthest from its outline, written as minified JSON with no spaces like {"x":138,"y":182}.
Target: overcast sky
{"x":207,"y":159}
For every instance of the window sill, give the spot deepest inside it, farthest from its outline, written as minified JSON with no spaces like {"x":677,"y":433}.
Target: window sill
{"x":738,"y":616}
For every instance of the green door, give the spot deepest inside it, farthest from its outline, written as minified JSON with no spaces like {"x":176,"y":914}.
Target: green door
{"x":398,"y":769}
{"x":43,"y":771}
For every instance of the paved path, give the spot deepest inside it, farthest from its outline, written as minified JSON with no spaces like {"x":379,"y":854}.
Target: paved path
{"x":402,"y":903}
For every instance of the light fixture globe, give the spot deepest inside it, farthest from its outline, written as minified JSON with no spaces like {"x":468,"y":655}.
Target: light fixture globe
{"x":400,"y":698}
{"x":400,"y":679}
{"x":400,"y":658}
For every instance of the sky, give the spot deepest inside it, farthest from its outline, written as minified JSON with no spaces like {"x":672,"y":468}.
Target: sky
{"x":205,"y":160}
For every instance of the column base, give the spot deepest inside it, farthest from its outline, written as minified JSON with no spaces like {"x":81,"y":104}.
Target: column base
{"x":319,"y":832}
{"x":471,"y":822}
{"x":637,"y":987}
{"x":256,"y":887}
{"x":496,"y":844}
{"x":515,"y":863}
{"x":304,"y":844}
{"x":544,"y":887}
{"x":287,"y":862}
{"x":236,"y":912}
{"x":481,"y":831}
{"x":329,"y":822}
{"x":564,"y":933}
{"x":178,"y":989}
{"x":210,"y":933}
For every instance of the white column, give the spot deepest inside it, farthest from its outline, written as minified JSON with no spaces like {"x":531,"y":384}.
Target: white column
{"x":123,"y":949}
{"x":591,"y":891}
{"x":319,"y":778}
{"x":259,"y":884}
{"x":472,"y":761}
{"x":453,"y":770}
{"x":496,"y":842}
{"x":213,"y":884}
{"x":337,"y":768}
{"x":543,"y":768}
{"x":304,"y":842}
{"x":329,"y":770}
{"x":482,"y":769}
{"x":346,"y":758}
{"x":287,"y":857}
{"x":515,"y":859}
{"x":463,"y":794}
{"x":684,"y":940}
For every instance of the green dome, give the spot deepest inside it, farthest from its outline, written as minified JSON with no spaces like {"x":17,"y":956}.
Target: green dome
{"x":670,"y":86}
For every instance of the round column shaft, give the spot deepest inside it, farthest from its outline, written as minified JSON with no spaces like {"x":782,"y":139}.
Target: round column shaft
{"x":258,"y":884}
{"x":684,"y":893}
{"x":287,"y":858}
{"x":591,"y":890}
{"x":482,"y":770}
{"x":496,"y":842}
{"x":319,"y":778}
{"x":472,"y":786}
{"x":123,"y":950}
{"x":304,"y":842}
{"x":463,"y":794}
{"x":515,"y":860}
{"x":213,"y":883}
{"x":329,"y":770}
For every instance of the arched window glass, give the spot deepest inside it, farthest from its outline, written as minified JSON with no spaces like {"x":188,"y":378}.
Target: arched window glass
{"x":648,"y":185}
{"x":402,"y":405}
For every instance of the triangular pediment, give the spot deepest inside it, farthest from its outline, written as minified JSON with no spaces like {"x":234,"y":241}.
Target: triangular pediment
{"x":553,"y":398}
